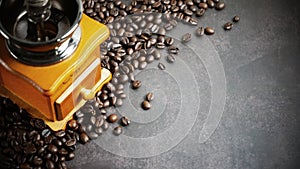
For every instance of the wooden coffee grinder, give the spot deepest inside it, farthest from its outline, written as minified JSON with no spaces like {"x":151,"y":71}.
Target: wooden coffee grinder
{"x":50,"y":57}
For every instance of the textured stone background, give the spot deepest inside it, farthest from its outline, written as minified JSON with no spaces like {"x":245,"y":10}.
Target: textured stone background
{"x":260,"y":127}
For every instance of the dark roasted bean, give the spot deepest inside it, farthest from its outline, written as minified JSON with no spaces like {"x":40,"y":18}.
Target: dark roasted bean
{"x":118,"y":130}
{"x":200,"y":12}
{"x":220,"y":5}
{"x":50,"y":164}
{"x":146,"y":105}
{"x":149,"y":96}
{"x":52,"y":148}
{"x":84,"y":138}
{"x":173,"y":50}
{"x":70,"y":142}
{"x":169,"y":41}
{"x":125,"y":121}
{"x":171,"y":58}
{"x":227,"y":26}
{"x":236,"y":19}
{"x":73,"y":124}
{"x":142,"y":65}
{"x":203,"y":5}
{"x":209,"y":31}
{"x":93,"y":135}
{"x":200,"y":31}
{"x":161,"y":66}
{"x":210,"y":3}
{"x":187,"y":37}
{"x":112,"y":118}
{"x":136,"y":84}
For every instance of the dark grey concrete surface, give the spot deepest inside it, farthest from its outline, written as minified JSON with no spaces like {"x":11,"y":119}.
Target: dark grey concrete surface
{"x":260,"y":125}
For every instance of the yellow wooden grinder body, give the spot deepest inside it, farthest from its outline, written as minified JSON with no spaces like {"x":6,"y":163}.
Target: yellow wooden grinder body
{"x":53,"y":93}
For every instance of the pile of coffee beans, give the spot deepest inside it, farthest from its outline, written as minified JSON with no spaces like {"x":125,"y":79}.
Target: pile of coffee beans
{"x":138,"y":34}
{"x":27,"y":142}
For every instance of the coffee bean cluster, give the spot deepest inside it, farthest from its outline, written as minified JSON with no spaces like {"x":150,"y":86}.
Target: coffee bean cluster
{"x":27,"y":142}
{"x":107,"y":11}
{"x":229,"y":25}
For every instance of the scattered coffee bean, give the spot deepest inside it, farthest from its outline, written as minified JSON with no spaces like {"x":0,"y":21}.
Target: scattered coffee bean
{"x":171,"y":58}
{"x":210,"y":3}
{"x":136,"y":84}
{"x":93,"y":135}
{"x":125,"y":121}
{"x":112,"y":118}
{"x":200,"y":31}
{"x":187,"y":37}
{"x":236,"y":19}
{"x":220,"y":6}
{"x":161,"y":66}
{"x":227,"y":26}
{"x":118,"y":130}
{"x":149,"y":96}
{"x":173,"y":50}
{"x":169,"y":41}
{"x":146,"y":105}
{"x":209,"y":31}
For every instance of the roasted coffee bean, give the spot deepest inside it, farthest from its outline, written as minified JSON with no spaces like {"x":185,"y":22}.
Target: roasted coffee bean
{"x":200,"y":31}
{"x":188,"y":12}
{"x":99,"y":130}
{"x":70,"y":142}
{"x":173,"y":50}
{"x":171,"y":58}
{"x":146,"y":105}
{"x":52,"y":148}
{"x":57,"y":142}
{"x":93,"y":135}
{"x":112,"y":118}
{"x":200,"y":12}
{"x":125,"y":121}
{"x":193,"y":21}
{"x":70,"y":156}
{"x":37,"y":161}
{"x":123,"y":78}
{"x":210,"y":3}
{"x":227,"y":26}
{"x":119,"y":102}
{"x":149,"y":58}
{"x":209,"y":31}
{"x":39,"y":124}
{"x":156,"y":54}
{"x":84,"y":138}
{"x":160,"y":45}
{"x":203,"y":5}
{"x":30,"y":149}
{"x":149,"y":96}
{"x":136,"y":84}
{"x":142,"y":65}
{"x":99,"y":122}
{"x":73,"y":124}
{"x":168,"y":26}
{"x":236,"y":19}
{"x":50,"y":164}
{"x":193,"y":8}
{"x":169,"y":41}
{"x":46,"y":132}
{"x":118,"y":130}
{"x":220,"y":5}
{"x":161,"y":66}
{"x":187,"y":37}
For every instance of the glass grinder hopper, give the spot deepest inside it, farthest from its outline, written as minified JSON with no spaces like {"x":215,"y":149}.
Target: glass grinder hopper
{"x":50,"y":57}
